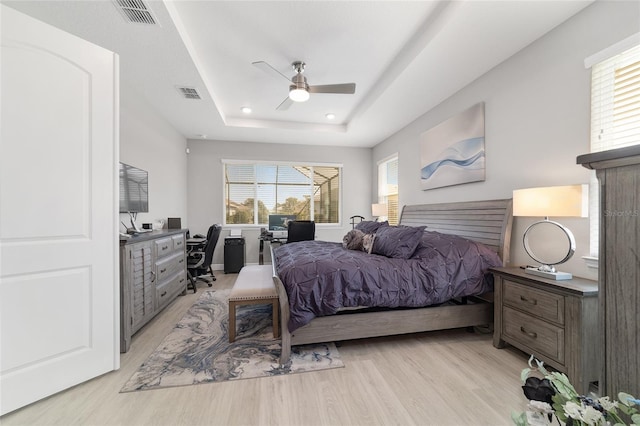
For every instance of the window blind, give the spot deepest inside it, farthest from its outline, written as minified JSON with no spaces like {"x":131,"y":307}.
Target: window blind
{"x":254,"y":190}
{"x":615,"y":118}
{"x":615,"y":101}
{"x":388,"y":188}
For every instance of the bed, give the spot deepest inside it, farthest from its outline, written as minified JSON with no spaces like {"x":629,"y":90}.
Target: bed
{"x":485,"y":224}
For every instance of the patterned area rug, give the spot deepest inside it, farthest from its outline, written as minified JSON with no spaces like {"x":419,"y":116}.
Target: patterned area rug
{"x":198,"y":349}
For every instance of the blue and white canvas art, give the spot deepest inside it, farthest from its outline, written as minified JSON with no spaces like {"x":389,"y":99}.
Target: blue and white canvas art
{"x":452,"y":153}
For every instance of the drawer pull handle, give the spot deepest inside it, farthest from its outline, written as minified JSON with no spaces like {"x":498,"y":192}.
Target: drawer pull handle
{"x":532,"y":301}
{"x":181,"y":261}
{"x":163,"y":294}
{"x":181,"y":280}
{"x":162,"y":271}
{"x":528,"y":333}
{"x":165,"y":247}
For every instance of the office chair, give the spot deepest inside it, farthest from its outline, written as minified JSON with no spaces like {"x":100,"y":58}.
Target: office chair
{"x":301,"y":230}
{"x":200,"y":257}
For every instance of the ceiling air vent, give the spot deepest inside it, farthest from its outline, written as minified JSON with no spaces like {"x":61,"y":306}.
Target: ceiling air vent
{"x":135,"y":11}
{"x":189,"y":93}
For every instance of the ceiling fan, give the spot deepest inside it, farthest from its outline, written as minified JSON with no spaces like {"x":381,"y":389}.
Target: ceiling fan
{"x":299,"y":90}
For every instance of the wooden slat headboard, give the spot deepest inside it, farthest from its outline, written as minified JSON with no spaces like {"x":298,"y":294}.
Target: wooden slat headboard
{"x":487,"y":222}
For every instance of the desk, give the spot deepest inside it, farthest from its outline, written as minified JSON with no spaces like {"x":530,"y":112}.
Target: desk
{"x":194,"y":242}
{"x":263,"y":238}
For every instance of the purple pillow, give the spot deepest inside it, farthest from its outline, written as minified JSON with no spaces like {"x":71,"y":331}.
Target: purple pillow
{"x":397,"y":241}
{"x":370,"y":227}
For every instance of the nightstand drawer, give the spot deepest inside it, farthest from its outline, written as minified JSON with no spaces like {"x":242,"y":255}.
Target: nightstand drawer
{"x":539,"y":336}
{"x":545,"y":305}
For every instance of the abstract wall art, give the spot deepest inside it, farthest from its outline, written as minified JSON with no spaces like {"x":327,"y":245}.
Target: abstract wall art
{"x":452,"y":152}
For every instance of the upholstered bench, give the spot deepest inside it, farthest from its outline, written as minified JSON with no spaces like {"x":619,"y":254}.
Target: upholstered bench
{"x":254,"y":286}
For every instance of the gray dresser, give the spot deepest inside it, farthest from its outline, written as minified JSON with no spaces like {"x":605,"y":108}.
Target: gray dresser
{"x":153,"y":272}
{"x":618,"y":173}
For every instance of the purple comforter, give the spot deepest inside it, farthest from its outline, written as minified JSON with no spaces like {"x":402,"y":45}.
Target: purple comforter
{"x":322,"y":277}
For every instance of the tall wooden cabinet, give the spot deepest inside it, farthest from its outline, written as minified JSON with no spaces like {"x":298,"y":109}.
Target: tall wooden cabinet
{"x":618,"y":173}
{"x":153,"y":272}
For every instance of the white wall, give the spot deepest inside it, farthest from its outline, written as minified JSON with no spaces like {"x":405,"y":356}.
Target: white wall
{"x":206,"y":189}
{"x":537,"y":121}
{"x":147,"y":141}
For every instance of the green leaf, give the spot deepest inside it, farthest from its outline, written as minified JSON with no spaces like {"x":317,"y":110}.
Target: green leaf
{"x":624,"y":398}
{"x":636,"y":419}
{"x":558,"y":402}
{"x":530,"y":362}
{"x":519,"y":419}
{"x":563,"y":385}
{"x":541,"y":367}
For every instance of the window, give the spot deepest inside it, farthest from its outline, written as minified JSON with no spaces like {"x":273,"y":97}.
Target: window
{"x":615,"y":112}
{"x":253,"y":191}
{"x":388,"y":187}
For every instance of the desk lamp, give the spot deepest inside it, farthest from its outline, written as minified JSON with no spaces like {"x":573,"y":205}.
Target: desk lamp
{"x":378,"y":210}
{"x":555,"y":201}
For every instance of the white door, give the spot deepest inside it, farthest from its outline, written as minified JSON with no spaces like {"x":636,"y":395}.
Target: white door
{"x":59,"y":294}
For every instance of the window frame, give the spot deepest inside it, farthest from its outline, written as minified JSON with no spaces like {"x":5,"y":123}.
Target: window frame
{"x":594,"y":62}
{"x":256,"y":163}
{"x":382,"y":193}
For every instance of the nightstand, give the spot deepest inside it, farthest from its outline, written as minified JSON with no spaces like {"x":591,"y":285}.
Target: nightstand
{"x":556,"y":321}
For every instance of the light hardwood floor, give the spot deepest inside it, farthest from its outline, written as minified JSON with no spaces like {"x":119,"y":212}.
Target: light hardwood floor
{"x":435,"y":378}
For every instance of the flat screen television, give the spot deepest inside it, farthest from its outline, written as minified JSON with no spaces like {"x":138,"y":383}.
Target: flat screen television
{"x":134,"y":189}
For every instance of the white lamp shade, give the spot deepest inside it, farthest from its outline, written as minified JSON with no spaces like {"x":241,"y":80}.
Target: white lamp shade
{"x":552,"y":201}
{"x":378,"y":210}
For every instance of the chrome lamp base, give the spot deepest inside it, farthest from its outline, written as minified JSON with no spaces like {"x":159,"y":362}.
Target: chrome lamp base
{"x":550,"y":275}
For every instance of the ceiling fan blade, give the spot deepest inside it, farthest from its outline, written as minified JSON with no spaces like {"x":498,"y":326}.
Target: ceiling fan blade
{"x":270,"y":70}
{"x":284,"y":105}
{"x":346,"y":88}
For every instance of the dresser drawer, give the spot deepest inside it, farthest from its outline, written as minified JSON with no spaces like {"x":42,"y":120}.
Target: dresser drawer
{"x":166,"y":291}
{"x":539,"y":336}
{"x":545,"y":305}
{"x":178,"y":242}
{"x":163,"y":247}
{"x":169,"y":265}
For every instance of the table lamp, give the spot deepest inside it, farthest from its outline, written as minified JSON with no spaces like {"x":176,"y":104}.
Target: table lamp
{"x":553,"y":201}
{"x":378,"y":210}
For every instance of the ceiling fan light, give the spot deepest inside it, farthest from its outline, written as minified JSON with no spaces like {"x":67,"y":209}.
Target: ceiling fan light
{"x":298,"y":95}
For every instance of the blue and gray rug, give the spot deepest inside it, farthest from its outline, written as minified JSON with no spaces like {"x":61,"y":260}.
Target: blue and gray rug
{"x":198,"y":349}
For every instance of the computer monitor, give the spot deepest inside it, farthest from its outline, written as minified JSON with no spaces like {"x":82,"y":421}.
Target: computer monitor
{"x":279,"y":222}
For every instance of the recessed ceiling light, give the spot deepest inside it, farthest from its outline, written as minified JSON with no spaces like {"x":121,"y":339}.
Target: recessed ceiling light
{"x":246,"y":110}
{"x":330,"y":116}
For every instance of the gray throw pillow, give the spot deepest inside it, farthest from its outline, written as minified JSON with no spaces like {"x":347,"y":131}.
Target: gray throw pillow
{"x":397,"y":241}
{"x":370,"y":227}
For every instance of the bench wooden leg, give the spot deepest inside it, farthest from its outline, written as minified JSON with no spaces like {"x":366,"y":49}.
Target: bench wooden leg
{"x":232,"y":321}
{"x":275,"y":307}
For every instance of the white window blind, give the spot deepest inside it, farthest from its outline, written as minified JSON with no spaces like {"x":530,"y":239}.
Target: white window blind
{"x":615,"y":101}
{"x":388,"y":188}
{"x":615,"y":117}
{"x":253,"y":191}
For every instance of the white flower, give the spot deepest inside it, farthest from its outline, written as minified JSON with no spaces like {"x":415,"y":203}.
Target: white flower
{"x":572,"y":410}
{"x":607,"y":404}
{"x":540,"y":407}
{"x":587,"y":414}
{"x":591,"y":416}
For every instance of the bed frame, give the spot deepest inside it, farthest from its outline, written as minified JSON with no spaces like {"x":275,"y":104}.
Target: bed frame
{"x":488,"y":222}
